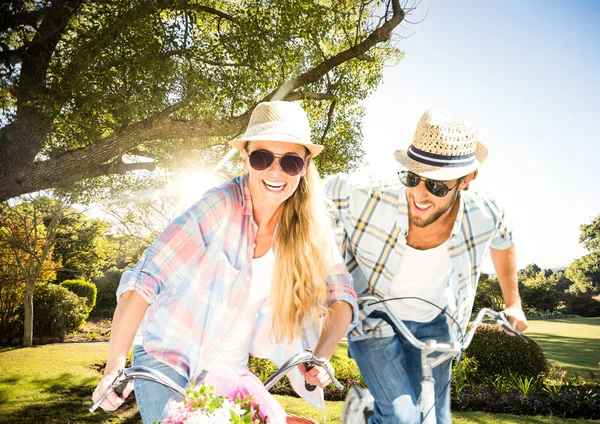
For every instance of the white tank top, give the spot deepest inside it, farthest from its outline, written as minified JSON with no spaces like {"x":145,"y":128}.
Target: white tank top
{"x":234,"y":349}
{"x":423,"y":274}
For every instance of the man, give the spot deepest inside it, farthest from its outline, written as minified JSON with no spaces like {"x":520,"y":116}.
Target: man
{"x":426,"y":238}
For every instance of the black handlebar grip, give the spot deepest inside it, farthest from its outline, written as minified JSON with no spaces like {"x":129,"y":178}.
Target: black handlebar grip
{"x":307,"y":386}
{"x":119,"y":388}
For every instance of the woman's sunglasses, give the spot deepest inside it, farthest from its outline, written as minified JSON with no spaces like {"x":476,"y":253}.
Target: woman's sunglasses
{"x":262,"y":159}
{"x":437,"y":188}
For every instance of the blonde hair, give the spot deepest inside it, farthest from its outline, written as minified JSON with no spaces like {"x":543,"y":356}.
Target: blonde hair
{"x":302,"y":254}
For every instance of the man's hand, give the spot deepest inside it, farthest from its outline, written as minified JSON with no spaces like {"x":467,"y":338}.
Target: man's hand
{"x":317,"y":376}
{"x":516,"y":317}
{"x":112,"y":401}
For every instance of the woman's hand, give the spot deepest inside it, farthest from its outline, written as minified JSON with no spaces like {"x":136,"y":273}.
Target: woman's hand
{"x":112,"y":401}
{"x":317,"y":376}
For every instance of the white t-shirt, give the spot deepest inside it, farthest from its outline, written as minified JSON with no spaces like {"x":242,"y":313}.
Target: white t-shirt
{"x":423,"y":274}
{"x":234,"y":349}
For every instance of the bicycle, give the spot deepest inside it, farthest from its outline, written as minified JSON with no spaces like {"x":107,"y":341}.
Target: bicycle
{"x":360,"y":400}
{"x":145,"y":373}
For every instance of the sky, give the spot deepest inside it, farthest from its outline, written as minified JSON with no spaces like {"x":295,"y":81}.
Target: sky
{"x":528,"y":74}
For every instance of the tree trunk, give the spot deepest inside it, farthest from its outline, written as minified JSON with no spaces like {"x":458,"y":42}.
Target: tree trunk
{"x":28,"y":315}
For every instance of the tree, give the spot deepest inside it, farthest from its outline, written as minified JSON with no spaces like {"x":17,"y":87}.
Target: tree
{"x":530,"y":271}
{"x":585,"y":271}
{"x":82,"y":247}
{"x":12,"y":288}
{"x":590,"y":235}
{"x":90,"y":88}
{"x":488,"y":294}
{"x":540,"y":292}
{"x":28,"y":230}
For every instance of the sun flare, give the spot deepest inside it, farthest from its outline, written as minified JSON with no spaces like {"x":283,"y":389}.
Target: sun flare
{"x":191,"y":185}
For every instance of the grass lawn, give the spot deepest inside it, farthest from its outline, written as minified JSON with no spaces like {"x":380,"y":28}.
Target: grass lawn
{"x":53,"y":384}
{"x":573,"y":342}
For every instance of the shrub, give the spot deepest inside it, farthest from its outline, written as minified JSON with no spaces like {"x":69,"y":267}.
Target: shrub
{"x":498,"y":353}
{"x":543,"y":314}
{"x":261,"y":367}
{"x":581,"y":303}
{"x":346,"y":371}
{"x":57,"y":311}
{"x":11,"y":302}
{"x":107,"y":293}
{"x":463,"y":372}
{"x":83,"y":289}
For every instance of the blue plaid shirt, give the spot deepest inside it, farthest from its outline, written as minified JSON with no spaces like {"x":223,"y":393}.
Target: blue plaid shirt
{"x":372,"y":217}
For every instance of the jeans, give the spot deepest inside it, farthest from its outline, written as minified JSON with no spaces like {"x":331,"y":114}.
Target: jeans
{"x":391,"y":368}
{"x":152,"y":397}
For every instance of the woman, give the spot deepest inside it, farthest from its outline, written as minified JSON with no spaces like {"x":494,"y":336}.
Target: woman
{"x":252,"y":268}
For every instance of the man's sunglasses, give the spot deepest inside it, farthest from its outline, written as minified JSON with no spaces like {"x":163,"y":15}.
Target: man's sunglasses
{"x":437,"y":188}
{"x":262,"y":159}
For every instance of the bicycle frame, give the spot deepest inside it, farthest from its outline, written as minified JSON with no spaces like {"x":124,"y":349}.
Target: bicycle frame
{"x":370,"y":304}
{"x":144,"y":373}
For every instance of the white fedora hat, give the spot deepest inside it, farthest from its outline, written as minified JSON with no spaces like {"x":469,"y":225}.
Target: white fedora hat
{"x":278,"y":121}
{"x":445,"y":147}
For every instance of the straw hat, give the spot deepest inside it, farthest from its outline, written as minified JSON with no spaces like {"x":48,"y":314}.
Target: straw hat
{"x":278,"y":121}
{"x":445,"y":147}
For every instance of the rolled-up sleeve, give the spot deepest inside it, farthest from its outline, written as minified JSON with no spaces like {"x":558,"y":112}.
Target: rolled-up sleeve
{"x":174,"y":257}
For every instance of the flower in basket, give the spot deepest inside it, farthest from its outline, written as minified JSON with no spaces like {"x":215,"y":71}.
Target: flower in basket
{"x":201,"y":405}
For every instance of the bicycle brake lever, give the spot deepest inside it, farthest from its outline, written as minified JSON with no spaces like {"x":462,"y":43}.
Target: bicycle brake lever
{"x":120,"y":388}
{"x":118,"y":385}
{"x":307,"y":386}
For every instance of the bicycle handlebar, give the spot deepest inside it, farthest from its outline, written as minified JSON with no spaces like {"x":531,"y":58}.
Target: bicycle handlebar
{"x":126,"y":375}
{"x":370,"y":304}
{"x":306,"y":357}
{"x":144,"y":373}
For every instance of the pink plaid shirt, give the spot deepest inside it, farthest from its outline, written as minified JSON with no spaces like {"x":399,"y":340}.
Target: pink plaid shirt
{"x":196,"y":275}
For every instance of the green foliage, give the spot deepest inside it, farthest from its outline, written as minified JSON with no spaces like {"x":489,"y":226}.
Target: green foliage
{"x":539,"y":292}
{"x":501,"y":383}
{"x":463,"y":373}
{"x":262,"y":368}
{"x":530,"y":271}
{"x":11,"y":301}
{"x":553,"y":390}
{"x":586,"y":271}
{"x":122,"y":63}
{"x":57,"y":311}
{"x":488,"y":294}
{"x":523,"y":385}
{"x":590,"y":235}
{"x":82,"y":247}
{"x":579,"y":300}
{"x":496,"y":352}
{"x":346,"y":370}
{"x":83,"y":289}
{"x":107,"y":292}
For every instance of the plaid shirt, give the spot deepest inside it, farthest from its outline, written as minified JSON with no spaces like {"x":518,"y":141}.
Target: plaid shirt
{"x":372,"y":218}
{"x":196,"y":275}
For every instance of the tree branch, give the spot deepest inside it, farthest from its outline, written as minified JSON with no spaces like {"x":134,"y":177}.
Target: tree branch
{"x":11,"y":57}
{"x":210,"y":10}
{"x":306,"y":95}
{"x":329,"y":120}
{"x":379,"y":35}
{"x":25,"y":18}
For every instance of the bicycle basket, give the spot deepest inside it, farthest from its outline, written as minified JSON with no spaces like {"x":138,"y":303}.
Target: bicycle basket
{"x":296,"y":419}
